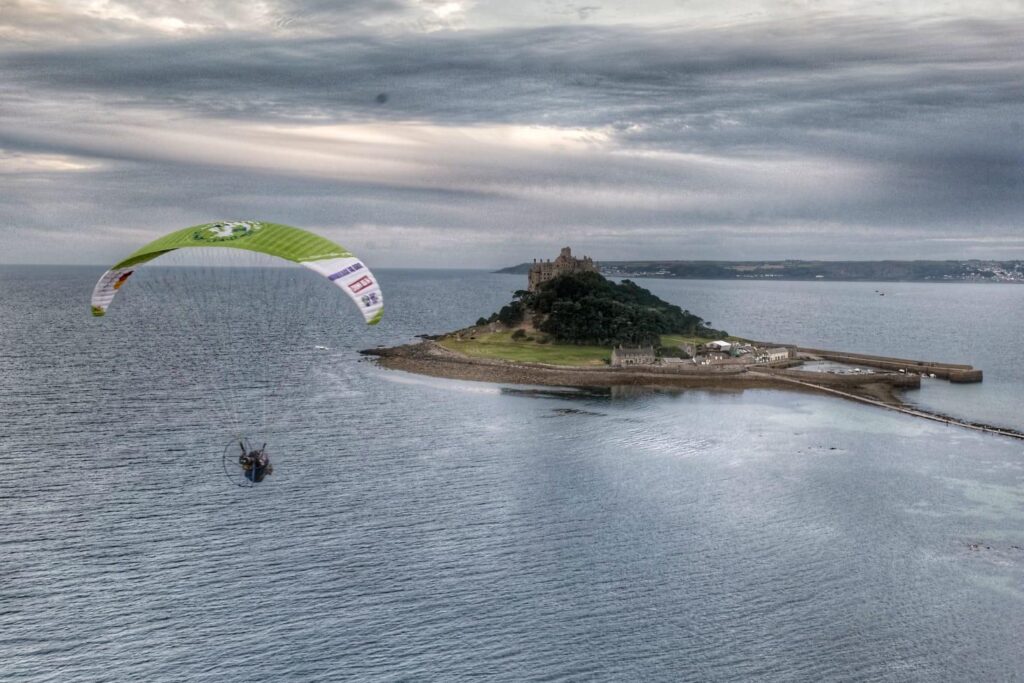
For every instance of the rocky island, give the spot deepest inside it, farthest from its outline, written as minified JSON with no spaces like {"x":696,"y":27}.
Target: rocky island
{"x":573,"y":327}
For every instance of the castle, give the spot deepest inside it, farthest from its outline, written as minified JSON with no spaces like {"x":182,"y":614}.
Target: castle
{"x":542,"y":271}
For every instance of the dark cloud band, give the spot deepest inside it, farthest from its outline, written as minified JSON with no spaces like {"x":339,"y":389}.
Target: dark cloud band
{"x":830,"y":128}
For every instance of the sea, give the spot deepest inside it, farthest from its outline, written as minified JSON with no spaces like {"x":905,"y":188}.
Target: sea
{"x":423,"y":529}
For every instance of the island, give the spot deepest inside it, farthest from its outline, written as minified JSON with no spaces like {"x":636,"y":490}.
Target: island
{"x":573,"y":327}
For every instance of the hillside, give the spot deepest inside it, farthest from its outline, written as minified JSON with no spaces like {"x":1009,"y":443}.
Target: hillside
{"x":586,"y":308}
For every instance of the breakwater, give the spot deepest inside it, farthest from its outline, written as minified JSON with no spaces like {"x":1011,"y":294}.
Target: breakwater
{"x":954,"y":372}
{"x":897,"y":380}
{"x":902,"y":408}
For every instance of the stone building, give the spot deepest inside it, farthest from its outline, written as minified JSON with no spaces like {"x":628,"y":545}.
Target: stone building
{"x":773,"y":355}
{"x":640,"y":355}
{"x":542,"y":271}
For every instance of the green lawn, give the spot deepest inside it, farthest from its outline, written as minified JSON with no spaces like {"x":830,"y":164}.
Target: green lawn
{"x":677,"y":339}
{"x":501,"y":345}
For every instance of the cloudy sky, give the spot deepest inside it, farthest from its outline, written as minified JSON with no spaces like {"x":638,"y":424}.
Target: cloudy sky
{"x":486,"y":132}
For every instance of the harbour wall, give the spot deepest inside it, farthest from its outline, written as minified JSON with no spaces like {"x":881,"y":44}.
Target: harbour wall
{"x":954,"y":372}
{"x":898,"y":380}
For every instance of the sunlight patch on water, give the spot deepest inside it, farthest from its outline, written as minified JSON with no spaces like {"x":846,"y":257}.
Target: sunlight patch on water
{"x":450,"y":385}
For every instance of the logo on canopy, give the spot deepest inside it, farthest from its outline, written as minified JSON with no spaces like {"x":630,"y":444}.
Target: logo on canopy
{"x":222,"y":232}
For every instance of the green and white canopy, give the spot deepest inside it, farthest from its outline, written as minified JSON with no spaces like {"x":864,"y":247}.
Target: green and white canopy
{"x":332,"y":261}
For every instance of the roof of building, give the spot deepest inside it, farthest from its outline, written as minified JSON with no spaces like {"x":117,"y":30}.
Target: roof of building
{"x":634,"y":351}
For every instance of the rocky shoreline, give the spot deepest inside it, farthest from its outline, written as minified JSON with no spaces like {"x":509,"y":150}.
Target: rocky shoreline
{"x":429,"y":358}
{"x":883,"y":389}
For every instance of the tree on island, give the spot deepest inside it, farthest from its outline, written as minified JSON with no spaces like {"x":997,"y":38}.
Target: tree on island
{"x":586,"y":308}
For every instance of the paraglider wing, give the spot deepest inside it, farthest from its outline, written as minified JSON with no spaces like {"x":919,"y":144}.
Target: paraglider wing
{"x":332,"y":261}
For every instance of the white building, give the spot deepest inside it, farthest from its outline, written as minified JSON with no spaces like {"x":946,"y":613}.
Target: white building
{"x":720,"y":345}
{"x":775,"y":355}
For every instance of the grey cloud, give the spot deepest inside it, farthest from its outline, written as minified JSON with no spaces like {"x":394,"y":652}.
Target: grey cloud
{"x":817,"y":76}
{"x":802,"y":138}
{"x":57,"y":22}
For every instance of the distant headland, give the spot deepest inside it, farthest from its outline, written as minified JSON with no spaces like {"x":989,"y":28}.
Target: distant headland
{"x":571,"y":326}
{"x":844,"y":271}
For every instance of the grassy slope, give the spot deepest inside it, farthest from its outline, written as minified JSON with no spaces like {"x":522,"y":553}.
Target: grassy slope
{"x":677,"y":339}
{"x":501,"y":345}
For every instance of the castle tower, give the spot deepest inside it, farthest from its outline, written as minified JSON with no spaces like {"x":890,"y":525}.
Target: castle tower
{"x":565,"y":263}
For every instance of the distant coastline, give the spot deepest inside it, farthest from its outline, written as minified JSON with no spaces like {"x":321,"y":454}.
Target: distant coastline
{"x":838,"y":271}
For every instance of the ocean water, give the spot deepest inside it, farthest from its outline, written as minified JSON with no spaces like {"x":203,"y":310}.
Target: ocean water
{"x":425,"y":529}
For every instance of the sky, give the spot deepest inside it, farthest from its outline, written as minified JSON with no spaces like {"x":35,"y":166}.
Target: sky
{"x":483,"y":133}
